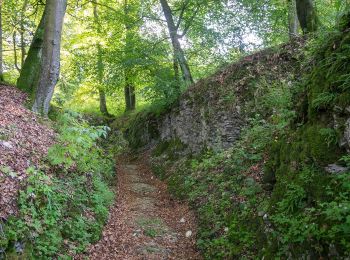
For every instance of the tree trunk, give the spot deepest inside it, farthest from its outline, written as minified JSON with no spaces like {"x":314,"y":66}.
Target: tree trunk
{"x":176,"y":72}
{"x":292,"y":19}
{"x":14,"y":36}
{"x":30,"y":71}
{"x":129,"y":89}
{"x":103,"y":100}
{"x":103,"y":103}
{"x":50,"y":61}
{"x":178,"y":51}
{"x":100,"y":67}
{"x":307,"y":16}
{"x":130,"y":98}
{"x":22,"y":31}
{"x":1,"y":52}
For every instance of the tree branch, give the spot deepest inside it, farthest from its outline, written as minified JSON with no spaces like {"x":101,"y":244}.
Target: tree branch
{"x":183,"y":9}
{"x":189,"y":23}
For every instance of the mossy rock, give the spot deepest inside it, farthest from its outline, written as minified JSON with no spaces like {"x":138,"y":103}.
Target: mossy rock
{"x":142,"y":128}
{"x":318,"y":147}
{"x":171,"y":148}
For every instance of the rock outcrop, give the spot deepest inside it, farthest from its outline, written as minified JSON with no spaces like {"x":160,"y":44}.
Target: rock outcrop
{"x":213,"y":111}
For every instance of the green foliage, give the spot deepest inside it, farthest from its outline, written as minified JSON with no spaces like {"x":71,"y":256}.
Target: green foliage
{"x":225,"y":187}
{"x":309,"y":208}
{"x":329,"y":80}
{"x":75,"y":138}
{"x":269,"y":196}
{"x":63,"y":212}
{"x":330,"y":136}
{"x":346,"y":160}
{"x":318,"y":224}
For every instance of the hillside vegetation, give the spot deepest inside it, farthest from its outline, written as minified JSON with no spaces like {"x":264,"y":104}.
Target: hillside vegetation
{"x":282,"y":190}
{"x":55,"y":181}
{"x":174,"y":129}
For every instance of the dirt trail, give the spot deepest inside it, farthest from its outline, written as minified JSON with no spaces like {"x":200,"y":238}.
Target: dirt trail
{"x":145,"y":222}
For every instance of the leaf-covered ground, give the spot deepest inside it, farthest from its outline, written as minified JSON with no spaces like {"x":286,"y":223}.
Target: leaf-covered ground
{"x":24,"y":141}
{"x":145,"y":222}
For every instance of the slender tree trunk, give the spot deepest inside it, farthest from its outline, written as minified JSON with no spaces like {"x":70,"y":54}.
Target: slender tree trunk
{"x":127,"y":98}
{"x":1,"y":51}
{"x":292,"y":19}
{"x":30,"y":71}
{"x":23,"y":48}
{"x":130,"y":97}
{"x":103,"y":103}
{"x":307,"y":16}
{"x":178,"y":51}
{"x":22,"y":31}
{"x":14,"y":36}
{"x":50,"y":62}
{"x":100,"y":67}
{"x":129,"y":89}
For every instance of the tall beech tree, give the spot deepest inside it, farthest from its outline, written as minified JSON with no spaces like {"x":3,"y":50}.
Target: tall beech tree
{"x":307,"y":15}
{"x":100,"y":65}
{"x":22,"y":31}
{"x":292,"y":19}
{"x":129,"y":88}
{"x":178,"y":51}
{"x":50,"y":58}
{"x":28,"y":78}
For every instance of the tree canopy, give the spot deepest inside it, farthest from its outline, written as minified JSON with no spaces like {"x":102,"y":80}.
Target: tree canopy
{"x":118,"y":55}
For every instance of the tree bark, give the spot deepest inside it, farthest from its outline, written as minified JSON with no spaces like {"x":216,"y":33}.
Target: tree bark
{"x":50,"y":60}
{"x":178,"y":51}
{"x":22,"y":31}
{"x":307,"y":15}
{"x":100,"y":66}
{"x":130,"y":98}
{"x":103,"y":103}
{"x":1,"y":51}
{"x":292,"y":19}
{"x":129,"y":89}
{"x":176,"y":72}
{"x":30,"y":71}
{"x":14,"y":36}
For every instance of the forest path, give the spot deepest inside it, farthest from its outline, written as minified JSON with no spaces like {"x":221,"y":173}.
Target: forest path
{"x":145,"y":222}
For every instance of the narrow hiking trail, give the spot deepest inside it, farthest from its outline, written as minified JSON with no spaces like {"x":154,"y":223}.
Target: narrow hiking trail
{"x":145,"y":222}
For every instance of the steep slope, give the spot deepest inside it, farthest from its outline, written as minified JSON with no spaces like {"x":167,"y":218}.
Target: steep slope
{"x":24,"y":142}
{"x":274,"y":183}
{"x":213,"y":111}
{"x":54,"y":181}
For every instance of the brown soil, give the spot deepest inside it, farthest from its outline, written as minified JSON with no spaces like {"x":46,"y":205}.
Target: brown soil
{"x":145,"y":222}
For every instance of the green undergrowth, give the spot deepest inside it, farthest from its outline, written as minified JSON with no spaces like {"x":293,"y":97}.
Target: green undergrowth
{"x":64,"y":204}
{"x":270,"y":195}
{"x":226,"y":187}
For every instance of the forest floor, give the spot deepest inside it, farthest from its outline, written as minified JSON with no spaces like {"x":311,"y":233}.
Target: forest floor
{"x":24,"y":141}
{"x":145,"y":222}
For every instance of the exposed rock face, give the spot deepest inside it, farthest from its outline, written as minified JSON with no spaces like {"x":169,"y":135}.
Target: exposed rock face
{"x":212,"y":112}
{"x":202,"y":125}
